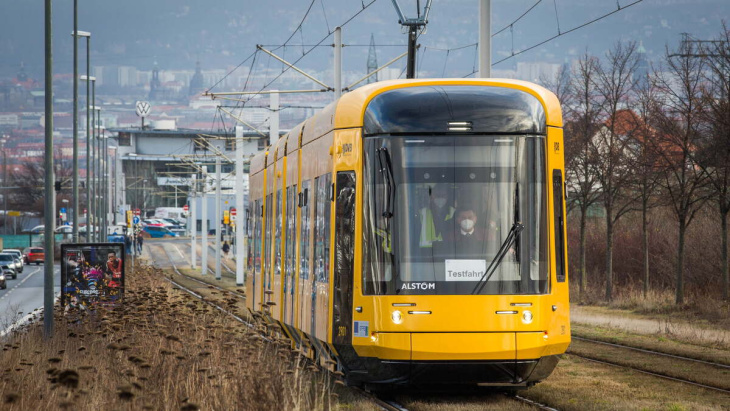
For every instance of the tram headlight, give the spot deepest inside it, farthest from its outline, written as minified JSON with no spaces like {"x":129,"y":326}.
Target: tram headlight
{"x":396,"y":317}
{"x":527,"y":317}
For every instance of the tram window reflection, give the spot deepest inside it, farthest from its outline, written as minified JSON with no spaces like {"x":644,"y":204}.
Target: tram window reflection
{"x":493,"y":182}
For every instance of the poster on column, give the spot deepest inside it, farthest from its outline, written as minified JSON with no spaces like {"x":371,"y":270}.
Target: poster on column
{"x":91,"y":273}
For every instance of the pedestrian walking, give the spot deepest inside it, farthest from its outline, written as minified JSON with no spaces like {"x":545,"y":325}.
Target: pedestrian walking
{"x":128,"y":244}
{"x":140,"y":242}
{"x":225,"y":248}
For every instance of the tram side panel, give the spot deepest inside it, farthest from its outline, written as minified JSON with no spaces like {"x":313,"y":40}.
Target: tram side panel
{"x":253,"y":279}
{"x":292,"y":224}
{"x":306,"y":239}
{"x":323,"y":189}
{"x":559,"y":326}
{"x":278,"y":234}
{"x":347,"y":170}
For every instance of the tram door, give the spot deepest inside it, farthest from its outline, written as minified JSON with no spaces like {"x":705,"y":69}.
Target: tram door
{"x":344,"y":257}
{"x":290,"y":254}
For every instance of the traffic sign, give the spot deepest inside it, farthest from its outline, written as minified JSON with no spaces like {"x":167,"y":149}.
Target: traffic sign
{"x":233,"y":211}
{"x":185,"y":207}
{"x":137,"y":211}
{"x":135,"y":220}
{"x":143,"y":108}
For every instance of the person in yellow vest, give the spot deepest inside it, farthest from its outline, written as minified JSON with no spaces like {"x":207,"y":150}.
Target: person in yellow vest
{"x":436,"y":218}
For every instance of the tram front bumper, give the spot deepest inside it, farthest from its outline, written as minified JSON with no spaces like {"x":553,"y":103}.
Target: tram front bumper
{"x":497,"y":358}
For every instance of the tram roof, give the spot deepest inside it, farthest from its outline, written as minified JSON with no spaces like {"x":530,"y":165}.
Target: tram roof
{"x":351,"y":107}
{"x":349,"y":110}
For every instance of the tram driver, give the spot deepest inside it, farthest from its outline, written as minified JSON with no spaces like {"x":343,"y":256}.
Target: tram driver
{"x":436,"y":217}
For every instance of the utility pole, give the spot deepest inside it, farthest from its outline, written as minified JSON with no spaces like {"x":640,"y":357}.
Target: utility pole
{"x":75,"y":188}
{"x":5,"y":191}
{"x":485,"y":38}
{"x":240,"y":210}
{"x":92,"y":175}
{"x":204,"y":226}
{"x":106,"y":197}
{"x":191,"y":218}
{"x":88,"y":144}
{"x":338,"y":62}
{"x":97,"y":168}
{"x":218,"y":217}
{"x":50,"y":203}
{"x":274,"y":119}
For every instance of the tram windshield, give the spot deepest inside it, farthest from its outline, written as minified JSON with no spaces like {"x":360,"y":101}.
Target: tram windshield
{"x":455,"y":215}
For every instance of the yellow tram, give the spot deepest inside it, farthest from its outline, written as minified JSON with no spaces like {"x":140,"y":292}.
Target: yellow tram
{"x":412,"y":232}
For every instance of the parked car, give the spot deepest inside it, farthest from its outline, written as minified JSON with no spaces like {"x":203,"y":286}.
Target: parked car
{"x":15,"y":263}
{"x":18,"y":254}
{"x":7,"y":261}
{"x":154,"y":222}
{"x":3,"y":276}
{"x":176,"y":223}
{"x":158,"y":232}
{"x":34,"y":255}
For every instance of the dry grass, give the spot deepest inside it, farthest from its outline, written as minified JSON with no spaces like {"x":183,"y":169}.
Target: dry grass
{"x":160,"y":350}
{"x":583,"y":386}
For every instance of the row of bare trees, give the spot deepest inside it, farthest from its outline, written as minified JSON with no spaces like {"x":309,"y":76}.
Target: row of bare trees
{"x":639,"y":139}
{"x":26,"y":180}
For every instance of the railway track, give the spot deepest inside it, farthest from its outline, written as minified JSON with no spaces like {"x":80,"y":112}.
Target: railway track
{"x":384,"y":403}
{"x":645,"y":370}
{"x":200,"y":297}
{"x":658,"y":375}
{"x":659,"y":353}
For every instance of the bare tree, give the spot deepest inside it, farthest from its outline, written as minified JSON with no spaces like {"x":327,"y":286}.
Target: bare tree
{"x":644,"y":161}
{"x":678,"y":124}
{"x":30,"y":180}
{"x":582,"y":117}
{"x":715,"y":153}
{"x":609,"y":146}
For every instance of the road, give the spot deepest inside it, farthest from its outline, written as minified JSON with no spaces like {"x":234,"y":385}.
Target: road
{"x":25,"y":294}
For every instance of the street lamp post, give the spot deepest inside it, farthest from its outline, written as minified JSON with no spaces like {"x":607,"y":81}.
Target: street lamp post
{"x":97,"y":169}
{"x":105,"y":186}
{"x":144,"y":199}
{"x":89,"y":142}
{"x":76,"y":34}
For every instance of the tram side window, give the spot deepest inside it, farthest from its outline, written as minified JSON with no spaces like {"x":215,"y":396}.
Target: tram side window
{"x":304,"y":232}
{"x":278,"y":231}
{"x":249,"y":233}
{"x":258,"y":215}
{"x":559,"y":225}
{"x":322,"y":227}
{"x":267,"y":236}
{"x":291,"y":229}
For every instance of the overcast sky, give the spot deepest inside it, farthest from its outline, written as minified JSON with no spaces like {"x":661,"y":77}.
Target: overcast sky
{"x":223,"y":33}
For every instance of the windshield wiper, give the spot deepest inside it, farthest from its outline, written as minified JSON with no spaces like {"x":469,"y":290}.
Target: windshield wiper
{"x":512,"y":235}
{"x":511,"y":239}
{"x":386,"y":168}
